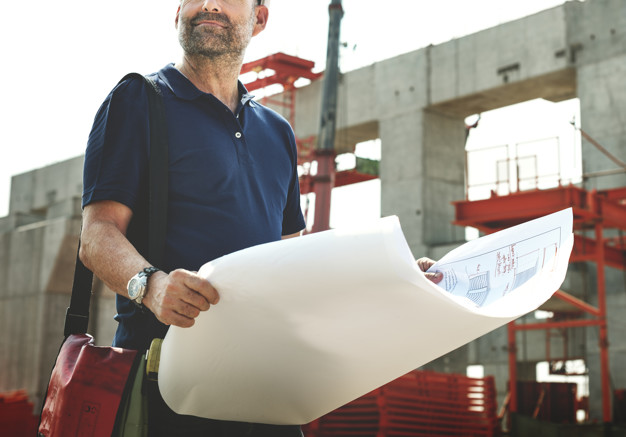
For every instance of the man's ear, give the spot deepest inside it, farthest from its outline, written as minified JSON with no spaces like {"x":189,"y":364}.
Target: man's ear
{"x":262,"y":14}
{"x":177,"y":15}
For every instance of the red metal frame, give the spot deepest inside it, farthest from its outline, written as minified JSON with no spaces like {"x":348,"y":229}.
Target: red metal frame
{"x":285,"y":70}
{"x":420,"y":403}
{"x":593,"y":210}
{"x":342,"y":178}
{"x":16,"y":414}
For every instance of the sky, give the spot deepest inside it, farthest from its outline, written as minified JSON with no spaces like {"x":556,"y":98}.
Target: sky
{"x":61,"y":59}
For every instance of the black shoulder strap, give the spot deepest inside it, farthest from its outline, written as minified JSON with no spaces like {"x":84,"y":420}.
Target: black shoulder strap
{"x":77,"y":315}
{"x":159,"y":172}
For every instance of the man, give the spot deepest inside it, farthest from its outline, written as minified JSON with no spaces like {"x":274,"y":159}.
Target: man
{"x":233,"y":183}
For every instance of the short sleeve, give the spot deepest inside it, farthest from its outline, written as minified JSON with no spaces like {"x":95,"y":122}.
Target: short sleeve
{"x":116,"y":159}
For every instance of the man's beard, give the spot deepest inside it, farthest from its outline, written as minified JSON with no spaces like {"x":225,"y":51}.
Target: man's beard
{"x":213,"y":42}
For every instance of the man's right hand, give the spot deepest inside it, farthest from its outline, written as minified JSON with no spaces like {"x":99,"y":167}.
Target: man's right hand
{"x":178,"y":298}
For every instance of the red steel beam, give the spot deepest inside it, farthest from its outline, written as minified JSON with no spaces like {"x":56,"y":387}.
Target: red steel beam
{"x":287,"y":69}
{"x":614,"y":194}
{"x":580,"y":304}
{"x":500,"y":212}
{"x":279,"y":61}
{"x":561,"y":324}
{"x":323,"y":183}
{"x":604,"y":340}
{"x":512,"y":343}
{"x":342,"y":178}
{"x":348,"y":177}
{"x":612,"y":212}
{"x":585,"y":249}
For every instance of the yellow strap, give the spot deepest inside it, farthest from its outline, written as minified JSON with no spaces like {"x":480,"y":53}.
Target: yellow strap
{"x":153,"y":358}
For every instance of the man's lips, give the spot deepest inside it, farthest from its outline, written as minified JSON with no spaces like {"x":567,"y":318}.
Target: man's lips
{"x":209,"y":19}
{"x":209,"y":23}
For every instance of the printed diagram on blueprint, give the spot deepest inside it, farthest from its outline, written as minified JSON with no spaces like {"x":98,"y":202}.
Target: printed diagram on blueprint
{"x":483,"y":271}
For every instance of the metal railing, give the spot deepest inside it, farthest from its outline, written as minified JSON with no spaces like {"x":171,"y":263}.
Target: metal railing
{"x":505,"y":169}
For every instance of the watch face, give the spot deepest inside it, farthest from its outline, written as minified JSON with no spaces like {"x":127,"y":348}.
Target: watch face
{"x":134,"y":288}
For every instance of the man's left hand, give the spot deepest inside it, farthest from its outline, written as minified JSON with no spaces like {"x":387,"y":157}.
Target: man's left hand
{"x":424,"y":264}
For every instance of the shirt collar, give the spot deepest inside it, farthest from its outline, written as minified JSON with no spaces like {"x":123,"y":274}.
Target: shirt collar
{"x":184,"y":89}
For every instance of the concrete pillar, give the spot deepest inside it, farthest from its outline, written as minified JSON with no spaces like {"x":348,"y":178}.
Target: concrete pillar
{"x":444,"y":181}
{"x":402,"y":175}
{"x":422,"y":171}
{"x":491,"y":351}
{"x":596,"y":30}
{"x":602,"y":94}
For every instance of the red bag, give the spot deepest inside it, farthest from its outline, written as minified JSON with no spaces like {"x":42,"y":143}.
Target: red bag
{"x":85,"y":389}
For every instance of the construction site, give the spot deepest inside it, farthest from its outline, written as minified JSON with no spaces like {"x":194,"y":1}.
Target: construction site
{"x":560,"y":371}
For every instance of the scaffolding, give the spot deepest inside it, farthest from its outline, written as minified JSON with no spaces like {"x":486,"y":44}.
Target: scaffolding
{"x":594,"y":212}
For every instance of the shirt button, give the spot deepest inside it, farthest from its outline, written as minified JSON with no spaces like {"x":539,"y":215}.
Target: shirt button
{"x":238,"y":135}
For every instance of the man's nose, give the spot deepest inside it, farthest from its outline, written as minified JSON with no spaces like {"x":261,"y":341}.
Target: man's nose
{"x":211,"y":6}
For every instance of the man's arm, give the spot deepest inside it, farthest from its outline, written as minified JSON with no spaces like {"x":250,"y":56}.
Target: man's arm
{"x":175,"y":299}
{"x":284,"y":237}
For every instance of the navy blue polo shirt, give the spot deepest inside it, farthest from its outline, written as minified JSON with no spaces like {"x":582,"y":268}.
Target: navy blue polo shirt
{"x":233,"y":179}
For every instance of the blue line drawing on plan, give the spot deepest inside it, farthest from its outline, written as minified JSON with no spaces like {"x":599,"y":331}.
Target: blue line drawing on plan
{"x":505,"y":264}
{"x":449,"y":280}
{"x":478,"y":288}
{"x":526,"y":267}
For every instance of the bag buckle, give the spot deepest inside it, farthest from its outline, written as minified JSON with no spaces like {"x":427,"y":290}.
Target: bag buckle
{"x":75,"y":323}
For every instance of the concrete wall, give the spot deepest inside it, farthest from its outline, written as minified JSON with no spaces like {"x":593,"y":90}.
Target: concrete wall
{"x":38,"y":243}
{"x":36,"y":191}
{"x":503,"y":65}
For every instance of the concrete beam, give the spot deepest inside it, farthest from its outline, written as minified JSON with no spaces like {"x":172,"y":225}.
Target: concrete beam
{"x":555,"y":86}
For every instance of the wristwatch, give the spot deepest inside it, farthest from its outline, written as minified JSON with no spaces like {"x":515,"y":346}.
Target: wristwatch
{"x":137,"y":284}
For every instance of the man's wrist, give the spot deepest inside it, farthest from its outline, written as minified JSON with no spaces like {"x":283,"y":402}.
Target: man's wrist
{"x":152,"y":284}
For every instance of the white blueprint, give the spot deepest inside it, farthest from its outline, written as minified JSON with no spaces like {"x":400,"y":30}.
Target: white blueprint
{"x":307,"y":324}
{"x":486,"y":269}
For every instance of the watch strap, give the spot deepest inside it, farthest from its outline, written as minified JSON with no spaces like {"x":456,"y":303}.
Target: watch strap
{"x":145,"y":273}
{"x":149,"y":271}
